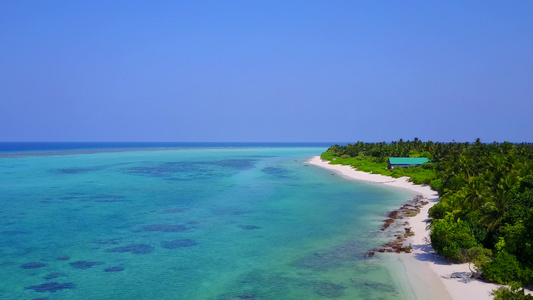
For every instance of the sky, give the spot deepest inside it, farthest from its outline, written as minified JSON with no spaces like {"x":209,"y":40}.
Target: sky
{"x":264,"y":71}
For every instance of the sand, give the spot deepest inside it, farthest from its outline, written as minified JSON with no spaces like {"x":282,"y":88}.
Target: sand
{"x":427,"y":273}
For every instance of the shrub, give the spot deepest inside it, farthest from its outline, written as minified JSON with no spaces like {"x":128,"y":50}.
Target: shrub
{"x":449,"y":238}
{"x":436,"y":184}
{"x":513,"y":293}
{"x":478,"y":256}
{"x":438,"y":211}
{"x":504,"y":269}
{"x":326,"y":155}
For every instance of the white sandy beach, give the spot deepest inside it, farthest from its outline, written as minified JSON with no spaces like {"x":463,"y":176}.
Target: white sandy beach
{"x":427,"y":273}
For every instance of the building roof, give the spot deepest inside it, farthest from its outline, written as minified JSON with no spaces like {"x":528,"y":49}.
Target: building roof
{"x":407,"y":160}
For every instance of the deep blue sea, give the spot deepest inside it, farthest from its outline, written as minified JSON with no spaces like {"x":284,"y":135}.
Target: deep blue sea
{"x":224,"y":221}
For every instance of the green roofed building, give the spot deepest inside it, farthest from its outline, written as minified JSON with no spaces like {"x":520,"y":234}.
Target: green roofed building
{"x":406,"y":162}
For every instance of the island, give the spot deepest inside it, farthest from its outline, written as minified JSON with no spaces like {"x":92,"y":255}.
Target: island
{"x":474,"y":238}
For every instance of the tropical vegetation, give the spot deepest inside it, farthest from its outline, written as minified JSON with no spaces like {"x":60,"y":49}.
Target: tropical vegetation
{"x":485,"y":212}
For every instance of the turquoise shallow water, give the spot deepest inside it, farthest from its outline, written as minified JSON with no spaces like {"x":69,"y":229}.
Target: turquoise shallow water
{"x":190,"y":224}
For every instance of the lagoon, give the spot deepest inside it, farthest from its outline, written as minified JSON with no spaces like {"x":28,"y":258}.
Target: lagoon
{"x":202,"y":223}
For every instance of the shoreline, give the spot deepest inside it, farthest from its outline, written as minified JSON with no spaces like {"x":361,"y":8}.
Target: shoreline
{"x":427,"y":273}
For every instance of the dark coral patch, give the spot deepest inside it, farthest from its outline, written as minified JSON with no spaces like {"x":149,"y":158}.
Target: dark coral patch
{"x":51,"y":287}
{"x":114,"y":241}
{"x":240,"y":164}
{"x":249,"y":227}
{"x":107,"y":198}
{"x":320,"y":261}
{"x":33,"y":265}
{"x":76,"y":170}
{"x":114,"y":269}
{"x":53,"y":275}
{"x":14,"y":232}
{"x":135,"y":249}
{"x":165,"y":228}
{"x":186,"y":171}
{"x":331,"y":259}
{"x":370,"y":285}
{"x":177,"y":170}
{"x":328,"y":289}
{"x":175,"y":244}
{"x":230,"y":211}
{"x":92,"y":198}
{"x":84,"y":264}
{"x":278,"y":172}
{"x":174,"y":210}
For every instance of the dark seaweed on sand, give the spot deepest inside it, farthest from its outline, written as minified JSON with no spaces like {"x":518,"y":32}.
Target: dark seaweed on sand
{"x":53,"y":276}
{"x":84,"y":264}
{"x":101,"y":198}
{"x":164,"y":228}
{"x":328,"y":289}
{"x":331,"y":259}
{"x":175,"y":244}
{"x":249,"y":227}
{"x":181,"y":171}
{"x":33,"y":265}
{"x":13,"y":232}
{"x":51,"y":287}
{"x":79,"y":170}
{"x":113,"y":269}
{"x":277,"y":172}
{"x":135,"y":249}
{"x":113,"y":241}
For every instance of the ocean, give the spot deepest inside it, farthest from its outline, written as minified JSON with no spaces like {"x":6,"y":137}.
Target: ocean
{"x":189,"y":221}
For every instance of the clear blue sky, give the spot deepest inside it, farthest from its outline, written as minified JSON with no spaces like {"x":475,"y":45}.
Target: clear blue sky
{"x":266,"y":70}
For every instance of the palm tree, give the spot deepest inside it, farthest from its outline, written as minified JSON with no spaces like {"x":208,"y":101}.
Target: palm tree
{"x":499,"y":201}
{"x":494,"y":210}
{"x":476,"y":194}
{"x":466,"y":165}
